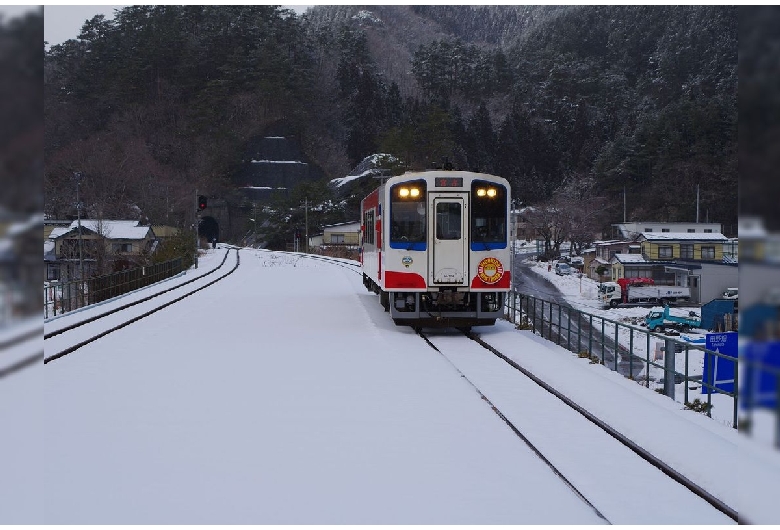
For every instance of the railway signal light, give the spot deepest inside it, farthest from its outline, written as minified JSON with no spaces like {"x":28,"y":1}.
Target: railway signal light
{"x":202,"y":202}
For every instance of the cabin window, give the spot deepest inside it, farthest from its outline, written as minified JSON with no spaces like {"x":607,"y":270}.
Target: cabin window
{"x":686,"y":251}
{"x":488,"y":215}
{"x":665,"y":251}
{"x":408,"y":215}
{"x":707,"y":252}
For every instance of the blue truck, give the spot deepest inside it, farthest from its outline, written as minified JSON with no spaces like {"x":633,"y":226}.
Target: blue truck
{"x":660,"y":320}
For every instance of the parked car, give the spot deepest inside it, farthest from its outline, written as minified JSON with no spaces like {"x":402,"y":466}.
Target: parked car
{"x":732,"y":293}
{"x":563,"y":269}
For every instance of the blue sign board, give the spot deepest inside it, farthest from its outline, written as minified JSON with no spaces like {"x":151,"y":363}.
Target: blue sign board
{"x":719,"y":372}
{"x":761,"y":374}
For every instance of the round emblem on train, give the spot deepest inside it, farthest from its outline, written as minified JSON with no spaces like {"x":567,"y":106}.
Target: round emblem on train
{"x":407,"y":260}
{"x":490,"y":270}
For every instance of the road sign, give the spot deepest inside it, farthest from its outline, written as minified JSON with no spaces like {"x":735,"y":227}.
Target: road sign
{"x":760,"y":378}
{"x":718,"y":371}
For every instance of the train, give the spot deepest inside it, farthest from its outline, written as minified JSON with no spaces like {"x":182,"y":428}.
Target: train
{"x":435,"y":247}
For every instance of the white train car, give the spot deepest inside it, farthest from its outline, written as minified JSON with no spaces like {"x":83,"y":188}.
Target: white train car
{"x":435,"y":247}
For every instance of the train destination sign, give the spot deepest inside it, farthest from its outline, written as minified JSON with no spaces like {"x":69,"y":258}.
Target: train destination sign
{"x":449,"y":182}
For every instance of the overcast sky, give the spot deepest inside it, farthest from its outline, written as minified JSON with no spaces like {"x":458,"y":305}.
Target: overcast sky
{"x":63,"y":22}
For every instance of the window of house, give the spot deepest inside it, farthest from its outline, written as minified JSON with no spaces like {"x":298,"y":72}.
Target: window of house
{"x":664,"y":230}
{"x":708,"y":230}
{"x":648,"y":229}
{"x":665,"y":251}
{"x":337,"y":238}
{"x":691,"y":230}
{"x":123,"y":247}
{"x":686,"y":251}
{"x":52,"y":272}
{"x":707,"y":252}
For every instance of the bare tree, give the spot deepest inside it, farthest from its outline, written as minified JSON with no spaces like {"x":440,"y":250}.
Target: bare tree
{"x":575,"y":213}
{"x":579,"y":202}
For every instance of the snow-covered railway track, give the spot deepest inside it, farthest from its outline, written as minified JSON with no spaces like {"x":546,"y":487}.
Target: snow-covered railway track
{"x":346,"y":264}
{"x":20,"y":349}
{"x":602,"y":466}
{"x":90,"y":329}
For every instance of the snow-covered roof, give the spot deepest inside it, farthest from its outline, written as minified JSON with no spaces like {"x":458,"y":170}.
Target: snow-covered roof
{"x":48,"y":250}
{"x":688,"y":236}
{"x":352,"y":224}
{"x":57,"y":231}
{"x":109,"y":229}
{"x":630,"y":258}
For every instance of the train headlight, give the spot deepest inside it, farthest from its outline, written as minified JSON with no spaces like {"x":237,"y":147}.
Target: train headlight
{"x":403,"y":192}
{"x":491,"y":192}
{"x":414,"y":192}
{"x":481,"y":192}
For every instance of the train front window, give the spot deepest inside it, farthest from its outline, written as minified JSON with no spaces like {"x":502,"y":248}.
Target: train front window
{"x":407,"y":214}
{"x":488,"y":215}
{"x":448,"y":223}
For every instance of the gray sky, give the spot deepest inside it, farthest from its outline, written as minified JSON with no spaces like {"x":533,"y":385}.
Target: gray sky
{"x":63,"y":22}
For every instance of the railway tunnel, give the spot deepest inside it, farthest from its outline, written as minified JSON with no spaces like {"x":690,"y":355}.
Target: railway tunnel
{"x":208,"y":229}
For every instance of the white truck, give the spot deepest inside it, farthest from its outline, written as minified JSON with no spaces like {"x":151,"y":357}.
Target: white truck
{"x":631,"y":291}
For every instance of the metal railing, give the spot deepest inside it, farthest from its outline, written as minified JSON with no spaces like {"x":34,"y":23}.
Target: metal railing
{"x":636,"y":353}
{"x":62,"y":297}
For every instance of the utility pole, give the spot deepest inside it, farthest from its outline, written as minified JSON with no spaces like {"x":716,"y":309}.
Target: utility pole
{"x":697,"y":203}
{"x":197,"y":219}
{"x":624,"y":204}
{"x":306,"y":218}
{"x":78,"y":175}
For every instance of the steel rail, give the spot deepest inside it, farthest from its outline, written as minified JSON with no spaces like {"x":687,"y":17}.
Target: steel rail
{"x":83,"y":343}
{"x":636,"y":448}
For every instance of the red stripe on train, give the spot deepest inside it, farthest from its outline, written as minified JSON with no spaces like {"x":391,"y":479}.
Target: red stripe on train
{"x":504,"y":283}
{"x":403,"y":280}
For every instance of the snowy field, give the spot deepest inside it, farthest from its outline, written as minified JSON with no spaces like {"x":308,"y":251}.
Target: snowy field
{"x":284,"y":394}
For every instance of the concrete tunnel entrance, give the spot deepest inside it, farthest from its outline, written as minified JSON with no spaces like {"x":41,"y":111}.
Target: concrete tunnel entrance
{"x":208,"y":229}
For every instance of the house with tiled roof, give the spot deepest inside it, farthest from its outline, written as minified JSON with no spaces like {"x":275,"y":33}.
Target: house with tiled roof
{"x":99,"y":246}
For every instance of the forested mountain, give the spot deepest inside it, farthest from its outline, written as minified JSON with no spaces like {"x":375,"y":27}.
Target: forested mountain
{"x":163,"y":99}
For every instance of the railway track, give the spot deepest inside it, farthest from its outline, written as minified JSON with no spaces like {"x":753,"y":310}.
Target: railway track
{"x":20,"y":349}
{"x":95,"y":327}
{"x":607,"y":454}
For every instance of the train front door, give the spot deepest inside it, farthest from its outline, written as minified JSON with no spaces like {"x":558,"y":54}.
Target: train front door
{"x":449,"y":259}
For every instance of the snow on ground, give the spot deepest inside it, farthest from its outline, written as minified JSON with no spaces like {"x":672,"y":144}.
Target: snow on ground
{"x":581,"y":293}
{"x":284,"y":394}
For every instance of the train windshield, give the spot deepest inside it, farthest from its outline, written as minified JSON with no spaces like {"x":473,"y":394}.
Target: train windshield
{"x":488,"y":215}
{"x":408,"y":215}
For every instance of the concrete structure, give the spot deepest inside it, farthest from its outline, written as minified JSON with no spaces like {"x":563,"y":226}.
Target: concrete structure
{"x":342,"y":234}
{"x":633,"y":229}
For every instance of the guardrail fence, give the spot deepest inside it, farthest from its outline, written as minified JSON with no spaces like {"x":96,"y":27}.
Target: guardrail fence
{"x":66,"y":296}
{"x":703,"y":379}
